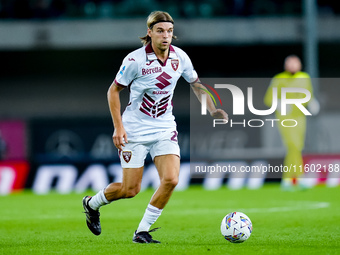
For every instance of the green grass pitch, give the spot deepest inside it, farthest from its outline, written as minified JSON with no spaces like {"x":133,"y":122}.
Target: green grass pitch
{"x":300,"y":222}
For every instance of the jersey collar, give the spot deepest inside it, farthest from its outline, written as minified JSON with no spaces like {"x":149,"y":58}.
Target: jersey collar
{"x":150,"y":54}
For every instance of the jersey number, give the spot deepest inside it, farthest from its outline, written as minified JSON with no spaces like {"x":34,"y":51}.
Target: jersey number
{"x":174,"y":137}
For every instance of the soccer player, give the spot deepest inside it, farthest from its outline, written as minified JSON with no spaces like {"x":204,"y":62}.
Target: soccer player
{"x":147,"y":124}
{"x":292,"y":137}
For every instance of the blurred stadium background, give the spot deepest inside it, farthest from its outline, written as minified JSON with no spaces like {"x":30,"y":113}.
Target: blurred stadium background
{"x":58,"y":58}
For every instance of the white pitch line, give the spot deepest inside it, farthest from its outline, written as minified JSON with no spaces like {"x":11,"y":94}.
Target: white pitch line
{"x":300,"y":206}
{"x":315,"y":206}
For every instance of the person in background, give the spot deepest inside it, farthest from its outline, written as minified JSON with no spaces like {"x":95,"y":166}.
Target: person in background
{"x":292,"y":137}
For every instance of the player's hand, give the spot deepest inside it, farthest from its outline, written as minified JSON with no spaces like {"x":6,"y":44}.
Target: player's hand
{"x":219,"y":114}
{"x":119,"y":138}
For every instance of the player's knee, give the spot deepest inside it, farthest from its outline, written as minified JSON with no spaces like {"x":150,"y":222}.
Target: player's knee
{"x":170,"y":182}
{"x":131,"y":192}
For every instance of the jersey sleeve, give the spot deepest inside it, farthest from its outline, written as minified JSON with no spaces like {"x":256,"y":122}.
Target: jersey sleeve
{"x":189,"y":73}
{"x":127,"y":72}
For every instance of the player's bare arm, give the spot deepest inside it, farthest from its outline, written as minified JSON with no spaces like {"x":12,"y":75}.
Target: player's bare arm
{"x":198,"y":89}
{"x":119,"y":135}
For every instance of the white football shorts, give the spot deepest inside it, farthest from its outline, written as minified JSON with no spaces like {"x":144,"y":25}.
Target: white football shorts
{"x":161,"y":143}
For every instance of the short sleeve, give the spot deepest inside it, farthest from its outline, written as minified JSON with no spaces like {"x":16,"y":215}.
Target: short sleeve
{"x":189,"y":73}
{"x":127,"y":72}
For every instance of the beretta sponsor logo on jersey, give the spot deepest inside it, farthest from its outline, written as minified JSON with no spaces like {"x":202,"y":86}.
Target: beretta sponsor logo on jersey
{"x":157,"y":69}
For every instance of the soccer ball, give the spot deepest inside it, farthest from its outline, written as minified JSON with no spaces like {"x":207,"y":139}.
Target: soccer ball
{"x":236,"y":227}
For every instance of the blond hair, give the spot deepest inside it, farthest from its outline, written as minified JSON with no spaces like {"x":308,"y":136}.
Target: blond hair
{"x":154,"y":18}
